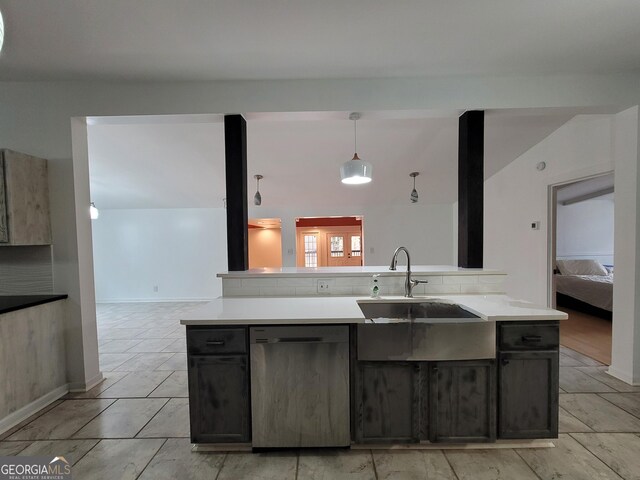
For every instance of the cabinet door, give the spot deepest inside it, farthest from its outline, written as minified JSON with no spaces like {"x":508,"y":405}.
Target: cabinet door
{"x":528,"y":394}
{"x":219,"y":398}
{"x":27,"y":199}
{"x":4,"y":230}
{"x":462,"y":401}
{"x":387,"y":396}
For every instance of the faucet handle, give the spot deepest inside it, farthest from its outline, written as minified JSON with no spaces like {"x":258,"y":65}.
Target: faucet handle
{"x":418,"y":282}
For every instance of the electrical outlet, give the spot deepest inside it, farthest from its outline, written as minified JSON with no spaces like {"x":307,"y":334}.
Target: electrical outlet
{"x":324,"y":286}
{"x":155,"y":288}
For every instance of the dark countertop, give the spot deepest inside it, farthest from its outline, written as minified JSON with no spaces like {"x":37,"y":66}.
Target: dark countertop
{"x":11,"y":303}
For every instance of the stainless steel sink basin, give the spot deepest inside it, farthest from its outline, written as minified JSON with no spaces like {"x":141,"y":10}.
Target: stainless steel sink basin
{"x":415,"y":311}
{"x":423,"y":330}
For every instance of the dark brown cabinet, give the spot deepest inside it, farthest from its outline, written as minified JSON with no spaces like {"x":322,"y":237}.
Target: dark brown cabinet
{"x":528,"y":395}
{"x":462,"y":401}
{"x":528,"y":380}
{"x":387,"y":402}
{"x":219,"y":402}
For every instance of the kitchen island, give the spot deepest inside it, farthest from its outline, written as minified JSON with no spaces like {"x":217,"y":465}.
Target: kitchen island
{"x":315,"y":371}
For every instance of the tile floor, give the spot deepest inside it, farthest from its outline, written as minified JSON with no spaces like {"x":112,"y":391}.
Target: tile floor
{"x":135,"y":423}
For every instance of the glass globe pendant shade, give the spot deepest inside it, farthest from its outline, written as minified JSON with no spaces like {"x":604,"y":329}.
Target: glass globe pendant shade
{"x":94,"y":213}
{"x":356,"y":171}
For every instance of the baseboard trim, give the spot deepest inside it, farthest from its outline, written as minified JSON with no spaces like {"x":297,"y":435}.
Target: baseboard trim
{"x":497,"y":445}
{"x":626,"y":378}
{"x":78,"y":387}
{"x":25,"y":412}
{"x":155,"y":300}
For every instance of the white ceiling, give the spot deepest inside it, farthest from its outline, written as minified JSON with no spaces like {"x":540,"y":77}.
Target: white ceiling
{"x":257,"y":39}
{"x":155,"y":162}
{"x":586,"y":187}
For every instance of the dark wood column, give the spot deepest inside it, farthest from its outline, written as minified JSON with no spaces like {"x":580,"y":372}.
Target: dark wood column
{"x":235,"y":146}
{"x":470,"y":189}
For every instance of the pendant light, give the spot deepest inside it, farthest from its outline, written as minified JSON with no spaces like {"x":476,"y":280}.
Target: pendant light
{"x":1,"y":31}
{"x":414,"y":192}
{"x":257,"y":198}
{"x":355,"y":171}
{"x":94,"y":213}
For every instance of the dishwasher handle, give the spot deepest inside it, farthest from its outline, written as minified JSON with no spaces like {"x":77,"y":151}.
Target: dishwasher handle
{"x":290,"y":340}
{"x":299,"y":334}
{"x":298,"y":340}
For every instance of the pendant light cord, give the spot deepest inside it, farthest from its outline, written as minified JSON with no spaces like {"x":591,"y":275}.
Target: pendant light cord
{"x":355,"y":136}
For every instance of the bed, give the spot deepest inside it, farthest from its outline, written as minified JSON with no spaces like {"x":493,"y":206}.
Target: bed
{"x":585,"y":285}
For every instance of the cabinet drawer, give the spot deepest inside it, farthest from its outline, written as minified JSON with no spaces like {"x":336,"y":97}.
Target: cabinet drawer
{"x":529,"y":336}
{"x":213,"y":341}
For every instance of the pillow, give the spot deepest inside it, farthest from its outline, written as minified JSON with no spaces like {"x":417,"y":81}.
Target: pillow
{"x":581,"y":267}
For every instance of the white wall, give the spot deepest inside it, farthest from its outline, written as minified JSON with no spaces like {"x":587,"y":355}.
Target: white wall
{"x":34,"y":118}
{"x":426,"y":230}
{"x":179,"y":250}
{"x":625,"y":354}
{"x":585,"y":229}
{"x":518,"y":195}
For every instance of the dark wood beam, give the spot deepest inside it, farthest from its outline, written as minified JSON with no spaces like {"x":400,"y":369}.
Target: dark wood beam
{"x":470,"y":189}
{"x":235,"y":146}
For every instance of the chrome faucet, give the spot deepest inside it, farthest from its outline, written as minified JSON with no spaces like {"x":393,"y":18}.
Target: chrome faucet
{"x":408,"y":282}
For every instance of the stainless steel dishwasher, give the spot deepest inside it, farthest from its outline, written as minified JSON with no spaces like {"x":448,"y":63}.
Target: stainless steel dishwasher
{"x":300,"y":386}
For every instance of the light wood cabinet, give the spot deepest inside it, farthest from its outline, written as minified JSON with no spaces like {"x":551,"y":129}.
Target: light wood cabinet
{"x":24,"y":200}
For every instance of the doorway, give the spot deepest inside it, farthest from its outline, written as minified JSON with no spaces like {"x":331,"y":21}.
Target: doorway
{"x":265,"y":243}
{"x":583,"y":269}
{"x":329,"y":242}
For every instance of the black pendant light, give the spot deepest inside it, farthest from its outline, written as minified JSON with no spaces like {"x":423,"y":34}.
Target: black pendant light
{"x":257,"y":198}
{"x":414,"y":192}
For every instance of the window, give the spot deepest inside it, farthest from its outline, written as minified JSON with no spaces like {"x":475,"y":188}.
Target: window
{"x":356,"y":248}
{"x":310,"y":251}
{"x":337,"y":246}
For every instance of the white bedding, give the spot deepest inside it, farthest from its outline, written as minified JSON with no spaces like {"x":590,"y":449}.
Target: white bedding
{"x":596,"y":290}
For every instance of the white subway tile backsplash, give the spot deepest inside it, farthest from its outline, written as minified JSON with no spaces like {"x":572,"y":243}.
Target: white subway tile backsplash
{"x":306,"y":291}
{"x":295,"y":282}
{"x":232,"y":282}
{"x":341,"y":290}
{"x":361,"y":285}
{"x":277,"y":291}
{"x":459,"y":279}
{"x":361,"y":290}
{"x":351,"y":281}
{"x":240,"y":292}
{"x":482,"y":288}
{"x":441,"y":289}
{"x":492,"y":278}
{"x":259,"y":282}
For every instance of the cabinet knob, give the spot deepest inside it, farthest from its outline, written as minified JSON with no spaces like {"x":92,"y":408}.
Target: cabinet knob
{"x":504,"y":361}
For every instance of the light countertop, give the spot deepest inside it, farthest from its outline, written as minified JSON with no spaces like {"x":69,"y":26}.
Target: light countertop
{"x":357,"y":271}
{"x":337,"y":309}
